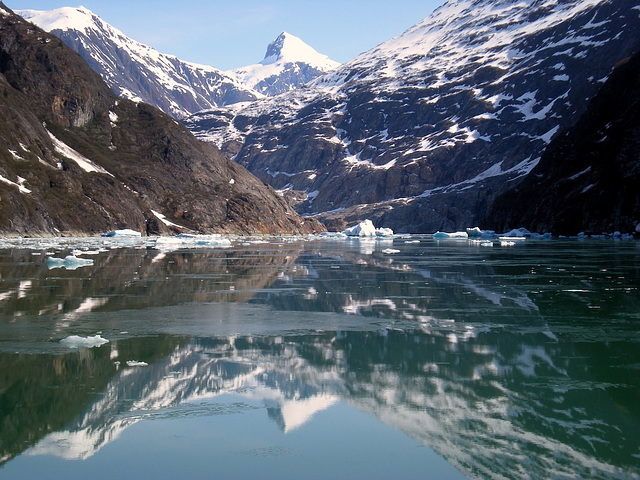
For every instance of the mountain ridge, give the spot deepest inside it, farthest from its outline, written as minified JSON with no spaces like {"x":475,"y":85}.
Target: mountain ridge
{"x":422,"y":132}
{"x":138,"y":72}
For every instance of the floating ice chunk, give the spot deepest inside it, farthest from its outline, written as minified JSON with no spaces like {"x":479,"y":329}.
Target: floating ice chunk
{"x":75,"y":341}
{"x":517,"y":232}
{"x":70,"y":262}
{"x":367,"y":229}
{"x":185,"y":240}
{"x":332,"y":236}
{"x":363,"y":229}
{"x":450,"y":235}
{"x":384,"y":232}
{"x":507,"y":243}
{"x":390,"y":251}
{"x":135,"y":363}
{"x":474,"y":232}
{"x":122,"y":233}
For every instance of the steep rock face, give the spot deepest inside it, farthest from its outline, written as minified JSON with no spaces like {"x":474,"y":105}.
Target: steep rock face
{"x":289,"y":63}
{"x":75,"y":159}
{"x":138,"y":72}
{"x":424,"y":131}
{"x":588,"y":178}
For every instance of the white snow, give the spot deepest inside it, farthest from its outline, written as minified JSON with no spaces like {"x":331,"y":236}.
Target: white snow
{"x":75,"y":341}
{"x":164,"y":220}
{"x":579,"y":174}
{"x":19,"y":185}
{"x":66,"y":18}
{"x":83,"y":162}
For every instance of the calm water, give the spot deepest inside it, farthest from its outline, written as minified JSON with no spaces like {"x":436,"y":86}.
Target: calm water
{"x":307,"y":358}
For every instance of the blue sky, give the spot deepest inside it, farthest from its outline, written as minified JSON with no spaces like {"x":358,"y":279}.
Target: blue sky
{"x":229,"y":34}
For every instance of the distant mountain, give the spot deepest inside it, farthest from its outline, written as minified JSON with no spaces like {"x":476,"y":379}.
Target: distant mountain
{"x":138,"y":72}
{"x":76,"y":159}
{"x":588,"y":178}
{"x":424,"y":131}
{"x":289,"y":63}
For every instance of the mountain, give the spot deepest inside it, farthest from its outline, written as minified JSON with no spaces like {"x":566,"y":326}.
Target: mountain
{"x":289,"y":63}
{"x":423,"y":132}
{"x":76,"y":159}
{"x":587,"y":179}
{"x":136,"y":71}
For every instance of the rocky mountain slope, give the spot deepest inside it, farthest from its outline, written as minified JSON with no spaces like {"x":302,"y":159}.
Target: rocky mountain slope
{"x":588,"y":178}
{"x":423,"y":132}
{"x":289,"y":63}
{"x":76,"y":159}
{"x":138,"y":72}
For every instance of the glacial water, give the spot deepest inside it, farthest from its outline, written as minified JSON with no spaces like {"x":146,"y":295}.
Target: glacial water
{"x":311,"y":358}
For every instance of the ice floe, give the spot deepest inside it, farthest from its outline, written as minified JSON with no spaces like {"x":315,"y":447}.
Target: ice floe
{"x":441,"y":235}
{"x":192,"y":241}
{"x":75,"y":341}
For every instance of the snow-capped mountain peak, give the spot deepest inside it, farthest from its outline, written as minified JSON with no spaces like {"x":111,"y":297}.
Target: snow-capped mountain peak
{"x":65,"y":18}
{"x":288,"y":48}
{"x":288,"y":63}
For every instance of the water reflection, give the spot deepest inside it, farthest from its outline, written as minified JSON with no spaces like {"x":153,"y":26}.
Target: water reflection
{"x":517,"y":362}
{"x":493,"y":402}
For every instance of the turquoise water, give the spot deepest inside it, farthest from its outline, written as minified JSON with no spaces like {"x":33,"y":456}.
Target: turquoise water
{"x":309,"y":358}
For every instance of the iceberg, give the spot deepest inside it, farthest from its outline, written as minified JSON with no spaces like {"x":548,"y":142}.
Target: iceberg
{"x":127,"y":232}
{"x":367,"y":229}
{"x":75,"y":341}
{"x":474,"y":232}
{"x":70,"y":262}
{"x":450,"y":235}
{"x":517,"y":233}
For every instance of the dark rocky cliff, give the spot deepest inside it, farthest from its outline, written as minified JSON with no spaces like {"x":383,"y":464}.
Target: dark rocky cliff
{"x":589,"y":177}
{"x":76,"y":159}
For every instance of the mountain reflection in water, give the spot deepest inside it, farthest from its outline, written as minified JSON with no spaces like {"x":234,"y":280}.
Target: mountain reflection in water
{"x":519,"y":398}
{"x":514,"y":363}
